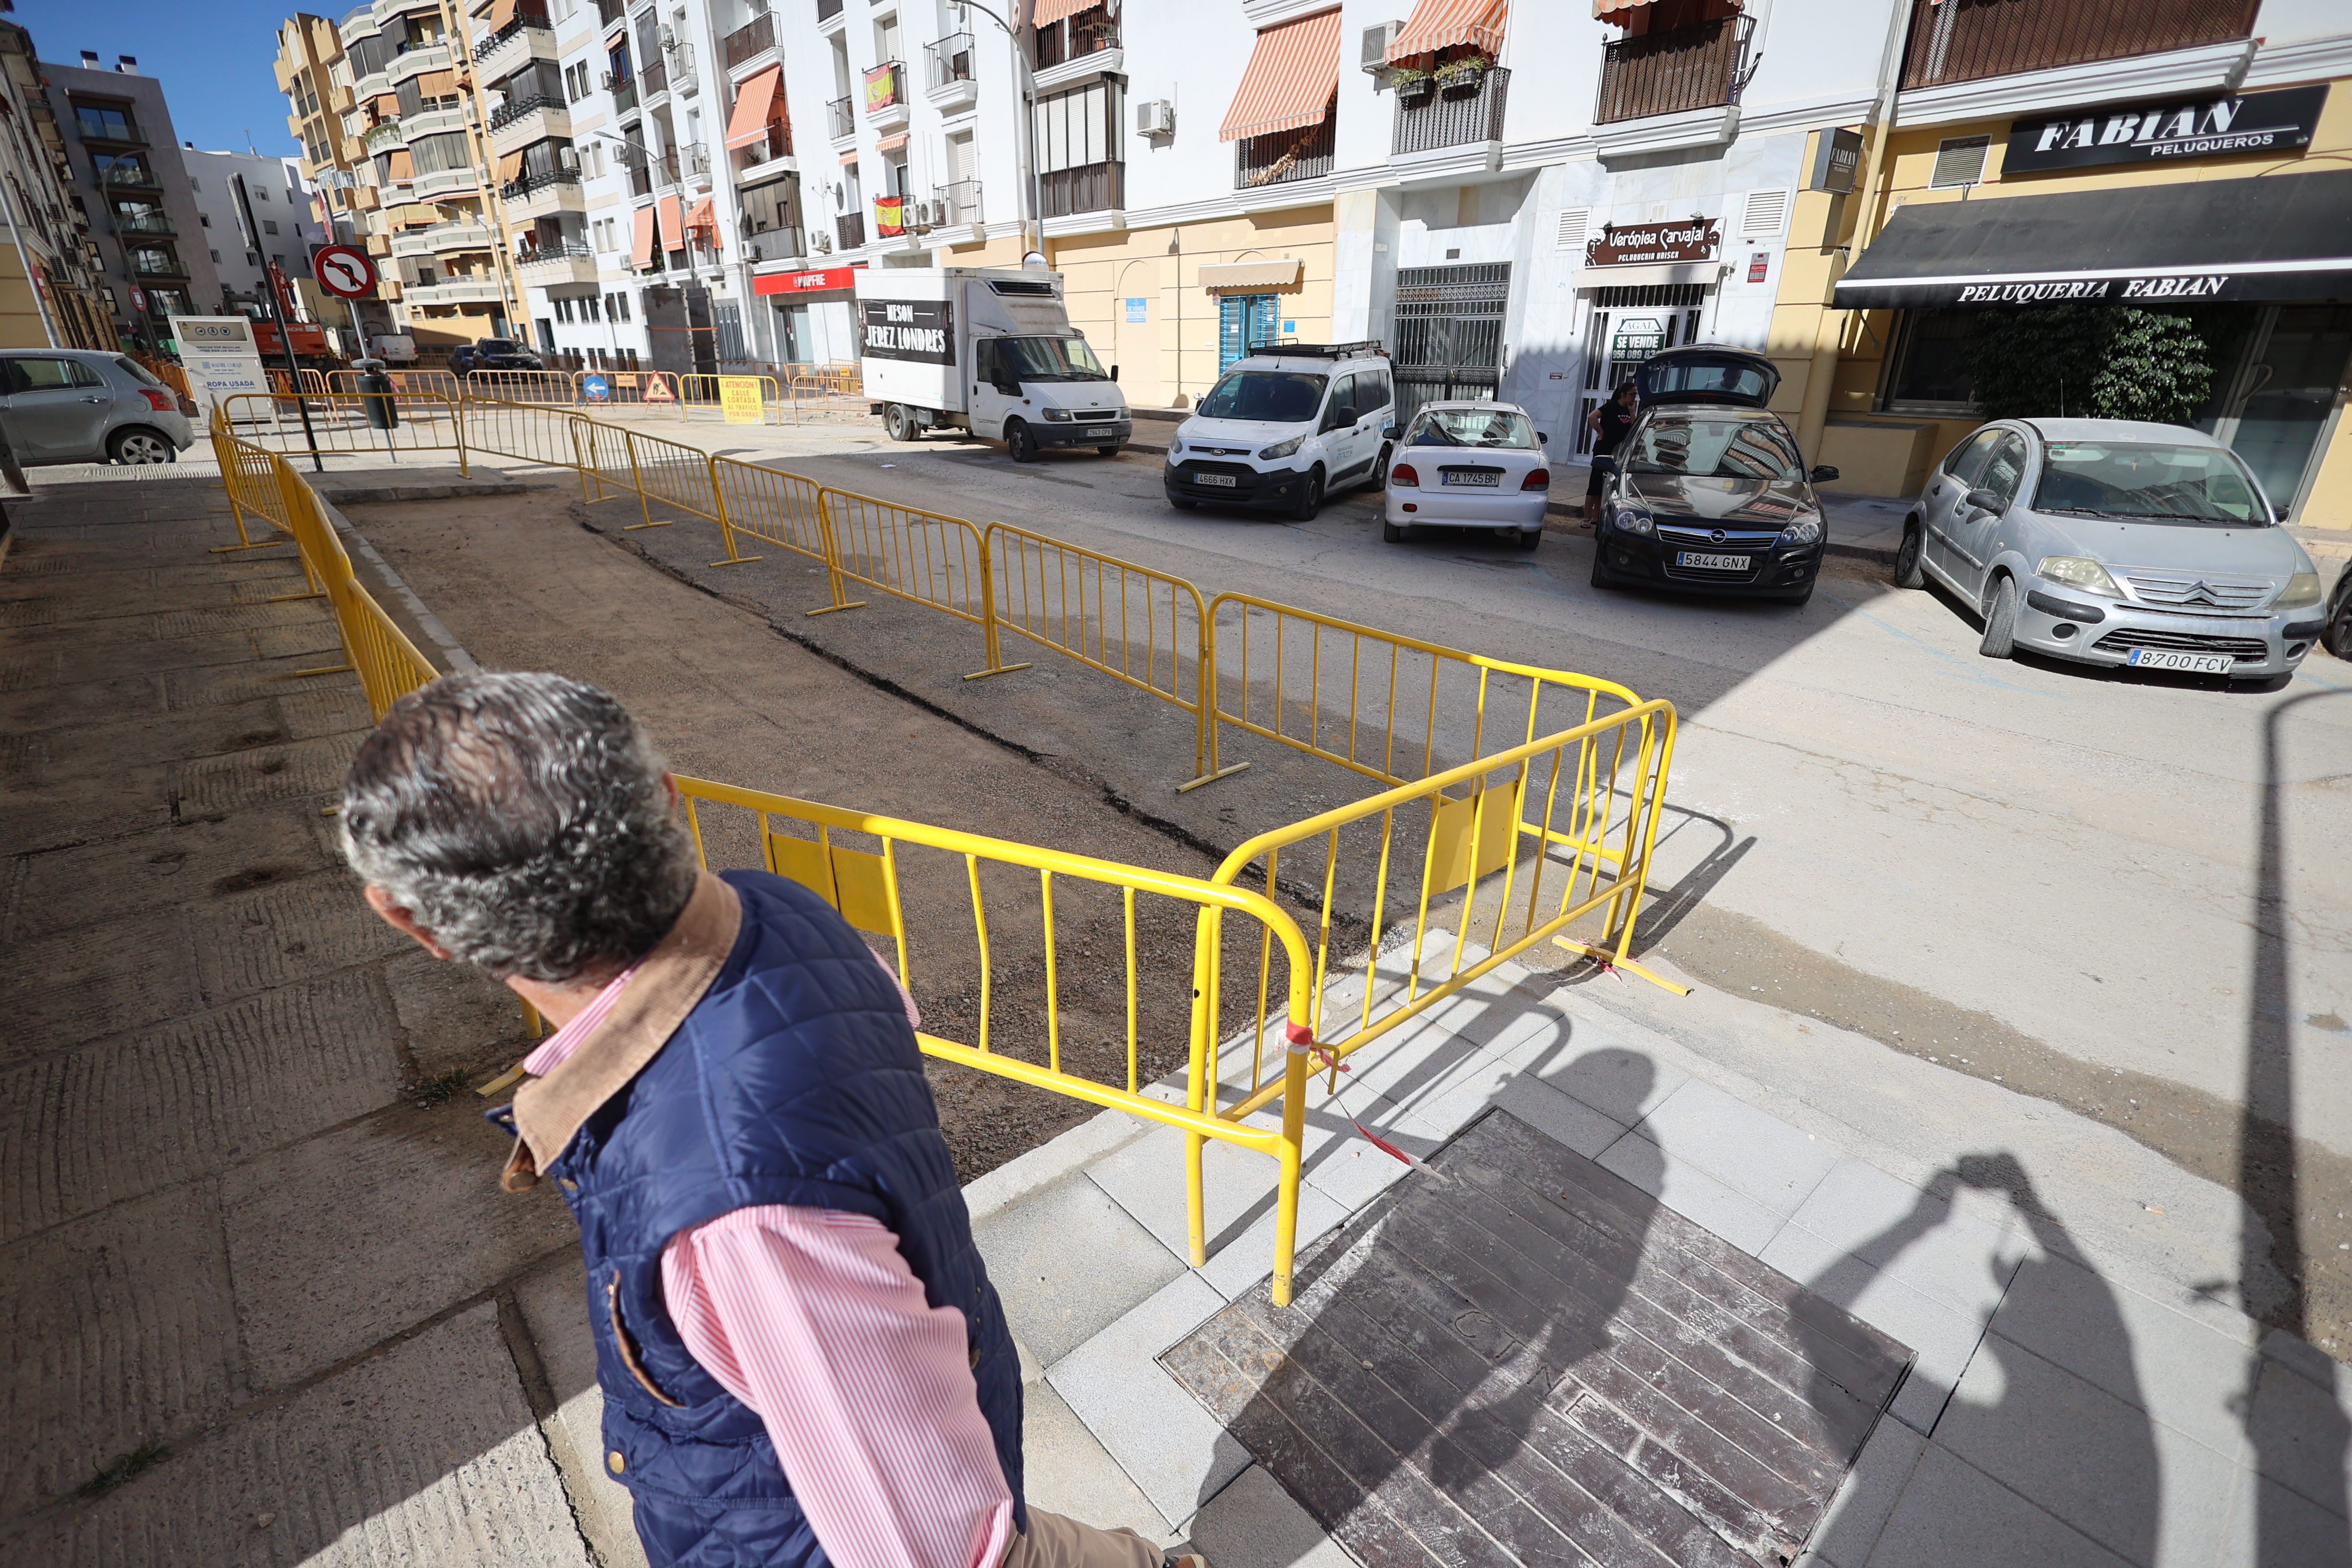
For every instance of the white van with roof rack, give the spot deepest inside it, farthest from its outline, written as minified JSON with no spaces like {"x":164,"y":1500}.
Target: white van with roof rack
{"x":1286,"y":425}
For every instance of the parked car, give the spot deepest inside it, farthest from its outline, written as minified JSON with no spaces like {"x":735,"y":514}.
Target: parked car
{"x":1710,"y":494}
{"x":2337,"y":638}
{"x":86,"y":406}
{"x":1286,"y":426}
{"x":2115,"y":541}
{"x":492,"y":354}
{"x":1469,"y":465}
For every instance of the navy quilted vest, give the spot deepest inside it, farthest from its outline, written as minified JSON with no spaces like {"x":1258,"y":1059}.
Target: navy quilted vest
{"x":794,"y":1080}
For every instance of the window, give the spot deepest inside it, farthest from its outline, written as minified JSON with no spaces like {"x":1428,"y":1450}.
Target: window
{"x":215,"y":257}
{"x":1243,"y":320}
{"x":192,"y":185}
{"x":269,"y":225}
{"x":1968,"y":459}
{"x":260,"y":193}
{"x":205,"y":218}
{"x":49,"y":375}
{"x":2005,"y":468}
{"x":1926,"y":370}
{"x":1713,"y":445}
{"x":106,"y":122}
{"x":1277,"y":396}
{"x":2147,"y":482}
{"x":1079,"y":127}
{"x":1471,"y":427}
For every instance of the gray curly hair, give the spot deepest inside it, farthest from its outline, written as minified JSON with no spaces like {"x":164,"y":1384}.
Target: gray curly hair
{"x":522,"y":820}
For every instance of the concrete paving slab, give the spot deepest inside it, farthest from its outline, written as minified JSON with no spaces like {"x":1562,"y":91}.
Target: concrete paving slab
{"x":294,"y":771}
{"x":1253,"y":1523}
{"x":456,"y":1017}
{"x":118,"y":878}
{"x":61,"y":990}
{"x":1752,"y":1152}
{"x":1944,"y":1337}
{"x":1066,"y":1470}
{"x":1850,"y":1526}
{"x":554,"y":1301}
{"x":418,"y":1221}
{"x":2301,"y":1429}
{"x":1031,"y":1249}
{"x":2270,"y":1524}
{"x":1146,"y":1178}
{"x":1953,"y":1515}
{"x":122,"y":1326}
{"x":1693,"y":1194}
{"x":1168,"y":1445}
{"x":1014,"y":1180}
{"x":287,"y":933}
{"x":1864,"y":1215}
{"x":323,"y":1481}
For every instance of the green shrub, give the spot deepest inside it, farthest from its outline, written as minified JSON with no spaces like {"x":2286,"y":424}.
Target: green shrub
{"x":2098,"y":361}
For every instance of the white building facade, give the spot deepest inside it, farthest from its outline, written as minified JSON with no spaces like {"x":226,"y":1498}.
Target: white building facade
{"x":283,"y":206}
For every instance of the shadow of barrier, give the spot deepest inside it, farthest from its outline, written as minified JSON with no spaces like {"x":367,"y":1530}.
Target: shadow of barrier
{"x":1492,"y":853}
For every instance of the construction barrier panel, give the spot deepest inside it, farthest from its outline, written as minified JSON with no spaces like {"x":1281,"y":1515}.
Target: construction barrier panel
{"x":297,"y":380}
{"x":520,"y":385}
{"x":1065,"y":944}
{"x":925,"y":556}
{"x":625,"y":388}
{"x":1390,"y":707}
{"x":444,"y":382}
{"x":705,"y":396}
{"x":336,"y":424}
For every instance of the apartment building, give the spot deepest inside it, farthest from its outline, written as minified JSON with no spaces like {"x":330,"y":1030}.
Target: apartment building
{"x":52,"y":292}
{"x":133,"y":185}
{"x":284,"y":211}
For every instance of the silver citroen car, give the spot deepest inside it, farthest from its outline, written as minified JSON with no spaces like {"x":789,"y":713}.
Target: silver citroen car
{"x":2115,"y":543}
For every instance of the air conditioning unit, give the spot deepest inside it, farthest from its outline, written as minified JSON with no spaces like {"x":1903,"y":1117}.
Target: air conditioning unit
{"x":669,"y":39}
{"x":1374,"y":55}
{"x":1157,"y":118}
{"x":820,"y":242}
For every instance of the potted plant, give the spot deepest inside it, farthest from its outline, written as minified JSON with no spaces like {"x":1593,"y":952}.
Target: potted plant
{"x":1467,"y":71}
{"x":1413,"y":83}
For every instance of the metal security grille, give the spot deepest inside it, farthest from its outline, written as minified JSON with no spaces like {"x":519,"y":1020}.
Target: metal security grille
{"x":1449,"y":332}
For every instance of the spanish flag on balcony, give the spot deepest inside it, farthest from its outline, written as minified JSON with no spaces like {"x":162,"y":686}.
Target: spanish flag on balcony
{"x":889,"y":216}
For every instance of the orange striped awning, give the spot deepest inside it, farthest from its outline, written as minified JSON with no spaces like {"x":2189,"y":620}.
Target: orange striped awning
{"x":673,"y":223}
{"x":400,"y":165}
{"x":502,"y":13}
{"x":437,"y":84}
{"x":894,"y":143}
{"x":1441,"y":24}
{"x":1292,"y":73}
{"x":754,"y":102}
{"x":701,"y":216}
{"x":641,"y":242}
{"x":1620,"y":13}
{"x":1049,"y":12}
{"x":509,"y":168}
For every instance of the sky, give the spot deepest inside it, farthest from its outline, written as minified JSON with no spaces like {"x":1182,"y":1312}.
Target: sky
{"x":212,"y":57}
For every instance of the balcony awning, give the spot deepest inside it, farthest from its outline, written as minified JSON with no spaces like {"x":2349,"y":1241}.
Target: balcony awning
{"x":1281,"y":272}
{"x":641,"y":242}
{"x":1620,"y":13}
{"x":414,"y":214}
{"x":891,"y":144}
{"x":437,"y":84}
{"x":502,"y":13}
{"x":509,"y":167}
{"x":1441,"y":24}
{"x":2277,"y":238}
{"x":399,"y":165}
{"x":754,"y":102}
{"x":701,"y":216}
{"x":1292,"y":73}
{"x":1049,"y":12}
{"x":673,"y":225}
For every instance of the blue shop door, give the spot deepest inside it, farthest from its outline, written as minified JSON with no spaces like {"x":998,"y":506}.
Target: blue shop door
{"x":1243,"y":320}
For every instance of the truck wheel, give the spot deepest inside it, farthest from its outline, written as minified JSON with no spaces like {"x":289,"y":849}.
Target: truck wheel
{"x":1108,"y":451}
{"x":1019,"y":443}
{"x":898,"y":422}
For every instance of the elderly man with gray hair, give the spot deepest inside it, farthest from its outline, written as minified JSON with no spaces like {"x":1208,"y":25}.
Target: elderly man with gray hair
{"x":801,"y":1358}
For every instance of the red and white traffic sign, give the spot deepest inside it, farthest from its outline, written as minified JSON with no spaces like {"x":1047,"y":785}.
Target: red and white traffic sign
{"x":344,"y":271}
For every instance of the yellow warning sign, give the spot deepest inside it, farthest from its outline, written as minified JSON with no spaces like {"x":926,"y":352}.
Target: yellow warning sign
{"x":657,"y":389}
{"x":738,"y":399}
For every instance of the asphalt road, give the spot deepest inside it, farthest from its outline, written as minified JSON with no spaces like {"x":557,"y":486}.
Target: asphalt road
{"x":2129,"y":895}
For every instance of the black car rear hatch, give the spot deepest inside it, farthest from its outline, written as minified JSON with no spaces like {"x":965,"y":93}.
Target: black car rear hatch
{"x":1707,"y":372}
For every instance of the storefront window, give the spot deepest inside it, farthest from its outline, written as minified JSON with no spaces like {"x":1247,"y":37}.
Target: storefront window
{"x":2275,"y":381}
{"x":1927,"y":372}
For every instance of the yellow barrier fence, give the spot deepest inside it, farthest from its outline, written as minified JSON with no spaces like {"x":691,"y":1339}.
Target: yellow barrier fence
{"x":1390,"y":707}
{"x":701,"y":396}
{"x":1083,"y":957}
{"x":911,"y":554}
{"x":520,"y":386}
{"x":338,"y":424}
{"x":623,"y":387}
{"x":444,"y":382}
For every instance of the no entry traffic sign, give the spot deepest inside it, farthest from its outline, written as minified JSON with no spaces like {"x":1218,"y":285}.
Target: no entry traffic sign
{"x":343,"y":270}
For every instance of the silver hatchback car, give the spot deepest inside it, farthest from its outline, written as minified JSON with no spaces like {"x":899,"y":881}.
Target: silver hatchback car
{"x":85,"y":406}
{"x":2115,"y":543}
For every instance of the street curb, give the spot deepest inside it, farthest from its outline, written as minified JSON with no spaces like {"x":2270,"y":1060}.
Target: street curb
{"x":426,"y":621}
{"x":377,"y":495}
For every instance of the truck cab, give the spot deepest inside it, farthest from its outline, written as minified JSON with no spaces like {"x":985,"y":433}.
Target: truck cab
{"x":988,"y":350}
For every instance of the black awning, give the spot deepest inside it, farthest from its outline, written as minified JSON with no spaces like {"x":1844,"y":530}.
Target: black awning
{"x":2285,"y":236}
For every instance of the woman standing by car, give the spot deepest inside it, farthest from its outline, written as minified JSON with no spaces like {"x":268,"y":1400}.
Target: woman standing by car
{"x":1607,"y":424}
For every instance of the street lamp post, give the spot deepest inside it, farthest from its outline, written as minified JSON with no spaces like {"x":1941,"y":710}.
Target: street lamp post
{"x":1032,"y":219}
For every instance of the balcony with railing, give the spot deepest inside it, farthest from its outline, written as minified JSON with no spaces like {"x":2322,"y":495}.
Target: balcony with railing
{"x":683,"y":166}
{"x":1089,"y":188}
{"x":1966,"y":40}
{"x":531,"y":185}
{"x":610,"y":11}
{"x":383,"y":137}
{"x":534,"y":17}
{"x":777,"y":143}
{"x":127,"y":173}
{"x":640,"y":179}
{"x":750,"y":41}
{"x":850,"y":229}
{"x":624,"y":94}
{"x":960,"y":203}
{"x":156,"y":261}
{"x":840,"y":118}
{"x":1673,"y":71}
{"x":514,"y":108}
{"x":144,"y":223}
{"x":1455,"y":111}
{"x":948,"y":68}
{"x":886,"y":93}
{"x":653,"y":80}
{"x":1088,"y":33}
{"x":1286,"y":156}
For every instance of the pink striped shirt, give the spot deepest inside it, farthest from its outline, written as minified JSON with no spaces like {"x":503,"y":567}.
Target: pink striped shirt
{"x":812,"y":1319}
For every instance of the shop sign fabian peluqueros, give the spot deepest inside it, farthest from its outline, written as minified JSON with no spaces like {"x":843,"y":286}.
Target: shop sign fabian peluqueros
{"x":2215,"y":125}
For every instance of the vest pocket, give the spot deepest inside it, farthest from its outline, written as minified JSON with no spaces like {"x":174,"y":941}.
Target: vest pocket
{"x":627,"y":1347}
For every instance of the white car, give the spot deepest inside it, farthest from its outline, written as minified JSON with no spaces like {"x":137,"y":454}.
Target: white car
{"x":1470,"y":465}
{"x":1286,"y":426}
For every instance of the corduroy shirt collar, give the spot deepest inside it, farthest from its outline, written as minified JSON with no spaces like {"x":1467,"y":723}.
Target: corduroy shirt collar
{"x":668,"y":982}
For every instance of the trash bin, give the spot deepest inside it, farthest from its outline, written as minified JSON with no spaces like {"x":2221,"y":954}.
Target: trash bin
{"x":376,"y":395}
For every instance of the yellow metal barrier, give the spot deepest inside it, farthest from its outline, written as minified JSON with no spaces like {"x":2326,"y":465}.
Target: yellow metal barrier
{"x":623,"y":388}
{"x":1375,"y":702}
{"x":925,"y":556}
{"x":520,"y":386}
{"x":699,"y":393}
{"x":1142,"y":627}
{"x":958,"y":911}
{"x":444,"y":382}
{"x":338,"y":424}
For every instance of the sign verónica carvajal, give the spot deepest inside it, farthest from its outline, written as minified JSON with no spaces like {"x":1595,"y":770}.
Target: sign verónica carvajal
{"x":922,"y":330}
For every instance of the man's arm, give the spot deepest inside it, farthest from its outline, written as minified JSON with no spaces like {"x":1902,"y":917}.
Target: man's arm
{"x":812,"y":1319}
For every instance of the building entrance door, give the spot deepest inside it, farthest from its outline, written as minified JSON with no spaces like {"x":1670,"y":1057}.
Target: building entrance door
{"x":1627,"y":326}
{"x":2283,"y":389}
{"x":1449,"y":332}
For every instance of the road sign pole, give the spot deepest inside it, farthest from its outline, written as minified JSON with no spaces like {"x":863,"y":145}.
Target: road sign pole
{"x":278,"y":318}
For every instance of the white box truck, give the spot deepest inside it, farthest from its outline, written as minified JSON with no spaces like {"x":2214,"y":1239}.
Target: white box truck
{"x":988,"y":350}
